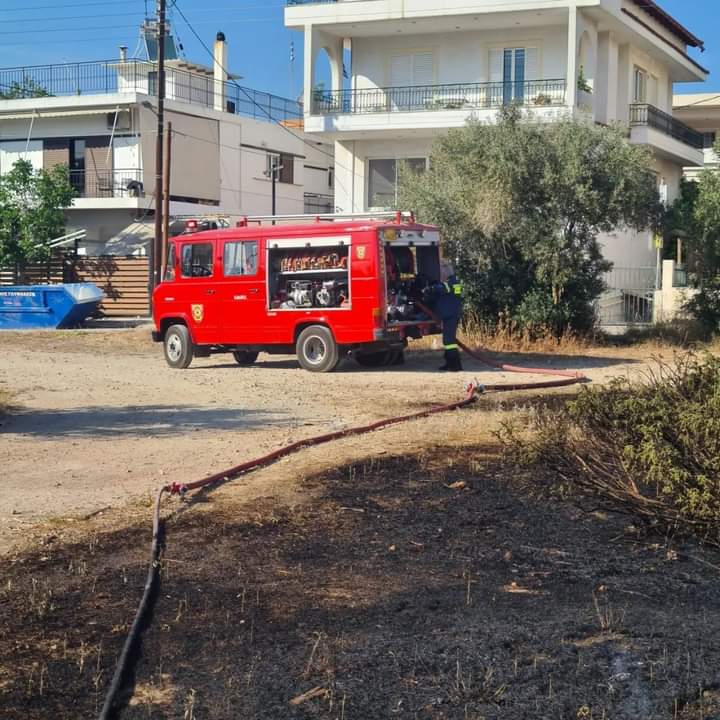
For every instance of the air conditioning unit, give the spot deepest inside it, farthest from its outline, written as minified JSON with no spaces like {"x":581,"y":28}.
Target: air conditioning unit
{"x":121,"y":124}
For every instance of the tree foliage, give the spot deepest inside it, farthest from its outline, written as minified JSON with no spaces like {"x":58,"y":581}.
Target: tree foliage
{"x":695,"y":217}
{"x":31,"y":211}
{"x":28,"y":88}
{"x":520,"y":205}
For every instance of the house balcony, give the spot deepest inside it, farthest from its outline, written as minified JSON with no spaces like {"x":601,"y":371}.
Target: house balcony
{"x":668,"y":136}
{"x":104,"y":189}
{"x":369,"y":110}
{"x":132,"y":76}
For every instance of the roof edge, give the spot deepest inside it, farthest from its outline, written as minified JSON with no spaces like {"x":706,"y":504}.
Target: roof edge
{"x":664,"y":18}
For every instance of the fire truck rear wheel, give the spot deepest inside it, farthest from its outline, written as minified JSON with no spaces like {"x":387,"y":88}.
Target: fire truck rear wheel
{"x":317,"y":350}
{"x":245,"y":357}
{"x":178,"y":347}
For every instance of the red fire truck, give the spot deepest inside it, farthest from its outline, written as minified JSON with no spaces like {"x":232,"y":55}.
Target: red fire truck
{"x":319,"y":290}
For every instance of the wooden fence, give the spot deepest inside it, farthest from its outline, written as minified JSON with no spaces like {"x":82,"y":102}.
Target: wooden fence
{"x":124,"y":280}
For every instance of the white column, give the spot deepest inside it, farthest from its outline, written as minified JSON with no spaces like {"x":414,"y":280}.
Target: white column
{"x":572,"y":64}
{"x":309,"y":68}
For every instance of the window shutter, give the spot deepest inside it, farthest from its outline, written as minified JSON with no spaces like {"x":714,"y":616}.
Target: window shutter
{"x":287,"y":168}
{"x":531,"y":63}
{"x":422,"y":69}
{"x":496,"y":65}
{"x":400,"y":70}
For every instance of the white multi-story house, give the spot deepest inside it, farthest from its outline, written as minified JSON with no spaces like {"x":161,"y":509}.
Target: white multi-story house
{"x":701,"y":111}
{"x":99,"y":118}
{"x":403,"y":71}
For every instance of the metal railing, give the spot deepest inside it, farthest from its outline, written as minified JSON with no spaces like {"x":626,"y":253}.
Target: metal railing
{"x":626,"y":307}
{"x":638,"y":278}
{"x":455,"y":96}
{"x":107,"y":183}
{"x":645,"y":114}
{"x":138,"y":76}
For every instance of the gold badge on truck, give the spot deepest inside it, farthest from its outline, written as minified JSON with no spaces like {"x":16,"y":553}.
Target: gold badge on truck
{"x":198,"y":313}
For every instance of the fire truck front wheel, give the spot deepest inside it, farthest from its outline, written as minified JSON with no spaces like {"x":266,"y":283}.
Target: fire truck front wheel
{"x":317,"y":350}
{"x":178,"y":347}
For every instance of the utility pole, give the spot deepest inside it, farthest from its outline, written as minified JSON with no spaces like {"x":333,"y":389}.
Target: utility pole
{"x":275,"y":168}
{"x":157,"y":261}
{"x":166,"y":199}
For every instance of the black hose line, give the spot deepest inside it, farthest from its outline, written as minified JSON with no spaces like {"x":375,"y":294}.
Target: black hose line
{"x":113,"y":702}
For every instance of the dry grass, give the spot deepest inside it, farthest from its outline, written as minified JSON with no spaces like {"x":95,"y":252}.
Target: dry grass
{"x":5,"y":401}
{"x":506,"y":336}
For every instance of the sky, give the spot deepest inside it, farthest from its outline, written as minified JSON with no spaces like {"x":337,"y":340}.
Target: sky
{"x":36,"y":32}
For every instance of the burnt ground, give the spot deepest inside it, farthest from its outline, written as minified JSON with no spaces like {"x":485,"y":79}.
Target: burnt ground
{"x":391,"y":594}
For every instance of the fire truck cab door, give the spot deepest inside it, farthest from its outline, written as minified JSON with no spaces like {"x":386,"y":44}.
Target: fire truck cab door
{"x":243,"y":295}
{"x":195,"y":291}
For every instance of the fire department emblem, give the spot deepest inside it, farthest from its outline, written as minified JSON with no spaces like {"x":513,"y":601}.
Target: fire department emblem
{"x":360,"y":252}
{"x":198,"y":313}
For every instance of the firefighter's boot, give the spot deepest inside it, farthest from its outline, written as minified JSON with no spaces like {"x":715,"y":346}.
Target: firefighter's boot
{"x":452,"y":361}
{"x":446,"y":366}
{"x":456,"y":365}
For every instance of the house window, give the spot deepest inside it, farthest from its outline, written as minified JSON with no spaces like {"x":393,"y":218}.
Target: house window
{"x":512,"y":72}
{"x":283,"y":164}
{"x":709,"y":139}
{"x":412,"y":69}
{"x":383,"y":176}
{"x":640,"y":86}
{"x":240,"y":258}
{"x":330,"y":177}
{"x":77,"y":165}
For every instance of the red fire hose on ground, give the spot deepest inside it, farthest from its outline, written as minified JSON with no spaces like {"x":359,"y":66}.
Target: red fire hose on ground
{"x":113,"y":705}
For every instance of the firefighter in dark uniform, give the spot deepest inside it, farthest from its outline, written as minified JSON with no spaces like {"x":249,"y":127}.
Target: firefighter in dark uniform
{"x":446,"y":299}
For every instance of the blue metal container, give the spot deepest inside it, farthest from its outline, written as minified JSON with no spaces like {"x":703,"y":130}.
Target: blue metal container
{"x":24,"y":307}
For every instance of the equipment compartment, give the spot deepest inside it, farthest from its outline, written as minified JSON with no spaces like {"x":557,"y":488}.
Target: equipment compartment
{"x":410,"y":268}
{"x":309,"y":277}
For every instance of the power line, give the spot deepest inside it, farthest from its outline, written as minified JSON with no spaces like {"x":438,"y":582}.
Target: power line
{"x":125,"y":27}
{"x":141,"y":12}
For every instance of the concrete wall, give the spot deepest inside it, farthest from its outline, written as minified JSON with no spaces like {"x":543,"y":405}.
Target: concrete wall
{"x":460,"y":57}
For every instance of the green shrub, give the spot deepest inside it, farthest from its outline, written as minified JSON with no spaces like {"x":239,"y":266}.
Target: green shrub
{"x":650,"y":449}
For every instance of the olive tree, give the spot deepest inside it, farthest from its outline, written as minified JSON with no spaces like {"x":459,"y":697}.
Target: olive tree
{"x":695,"y":217}
{"x":31,"y":211}
{"x":521,"y":204}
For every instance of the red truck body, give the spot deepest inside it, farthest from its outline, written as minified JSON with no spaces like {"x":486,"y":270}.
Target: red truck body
{"x":258,"y":288}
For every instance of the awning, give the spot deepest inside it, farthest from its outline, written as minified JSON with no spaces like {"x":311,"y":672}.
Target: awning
{"x":61,"y":113}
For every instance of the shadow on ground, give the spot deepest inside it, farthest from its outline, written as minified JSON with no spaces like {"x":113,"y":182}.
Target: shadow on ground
{"x":135,"y":421}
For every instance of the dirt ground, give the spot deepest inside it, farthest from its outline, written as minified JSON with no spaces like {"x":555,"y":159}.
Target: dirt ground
{"x":407,"y":573}
{"x":423,"y":587}
{"x":101,"y":421}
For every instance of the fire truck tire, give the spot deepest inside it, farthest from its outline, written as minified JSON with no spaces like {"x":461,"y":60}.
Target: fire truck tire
{"x":178,"y":347}
{"x":317,"y":350}
{"x":375,"y":359}
{"x":245,"y":357}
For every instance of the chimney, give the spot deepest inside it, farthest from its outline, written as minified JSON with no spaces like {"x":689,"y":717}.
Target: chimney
{"x":220,"y":71}
{"x":123,"y":53}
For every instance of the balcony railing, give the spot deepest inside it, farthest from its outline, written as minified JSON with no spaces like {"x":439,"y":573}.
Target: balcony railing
{"x":649,"y":115}
{"x":138,"y":76}
{"x":457,"y":96}
{"x":107,"y":183}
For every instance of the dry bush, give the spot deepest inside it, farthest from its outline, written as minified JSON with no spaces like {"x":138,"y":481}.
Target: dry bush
{"x":650,"y":449}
